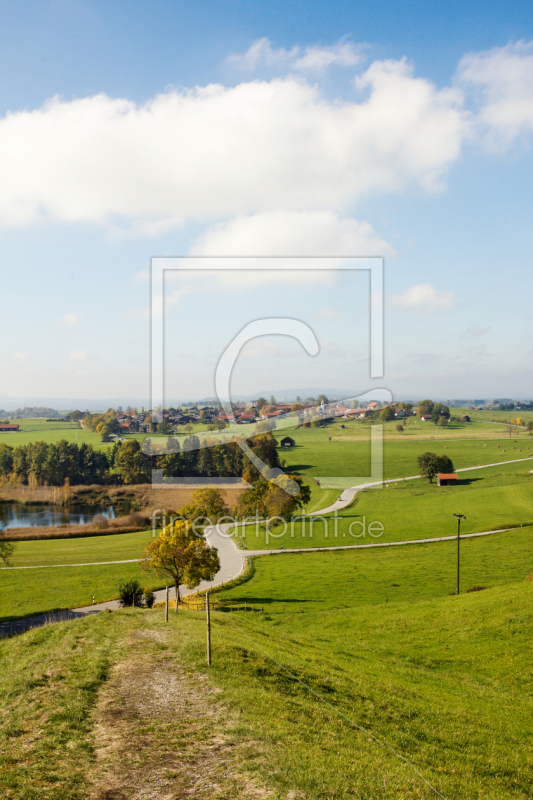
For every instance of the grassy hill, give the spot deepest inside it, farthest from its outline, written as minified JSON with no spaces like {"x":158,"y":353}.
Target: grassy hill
{"x":319,"y":704}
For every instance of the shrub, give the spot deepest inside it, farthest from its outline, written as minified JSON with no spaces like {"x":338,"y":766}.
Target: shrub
{"x":149,"y":597}
{"x":477,"y":589}
{"x":529,"y":577}
{"x":100,"y":521}
{"x":130,"y":593}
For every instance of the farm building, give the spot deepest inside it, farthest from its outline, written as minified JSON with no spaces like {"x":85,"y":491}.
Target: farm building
{"x":6,"y":427}
{"x":447,"y":479}
{"x":287,"y":442}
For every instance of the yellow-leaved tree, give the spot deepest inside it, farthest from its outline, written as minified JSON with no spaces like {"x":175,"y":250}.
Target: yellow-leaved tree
{"x":181,"y":555}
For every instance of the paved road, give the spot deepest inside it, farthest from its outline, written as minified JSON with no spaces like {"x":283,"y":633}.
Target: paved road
{"x":232,"y":560}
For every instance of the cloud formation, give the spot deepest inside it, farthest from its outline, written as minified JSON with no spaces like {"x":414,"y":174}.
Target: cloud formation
{"x":423,"y":299}
{"x":261,"y":54}
{"x":71,"y":318}
{"x":215,"y":152}
{"x":502,"y":78}
{"x":211,"y":153}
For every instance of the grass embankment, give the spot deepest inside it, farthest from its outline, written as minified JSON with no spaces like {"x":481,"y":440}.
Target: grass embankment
{"x":445,"y":682}
{"x":491,"y":498}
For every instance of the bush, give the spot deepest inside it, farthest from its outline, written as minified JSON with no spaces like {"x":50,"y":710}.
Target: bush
{"x":100,"y":521}
{"x":529,"y":577}
{"x":149,"y":598}
{"x":130,"y":593}
{"x":476,"y":589}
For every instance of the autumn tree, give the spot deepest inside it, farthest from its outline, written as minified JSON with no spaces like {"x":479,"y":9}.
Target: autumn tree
{"x":430,"y":464}
{"x":181,"y":556}
{"x":261,"y":403}
{"x":206,"y":503}
{"x":386,"y":414}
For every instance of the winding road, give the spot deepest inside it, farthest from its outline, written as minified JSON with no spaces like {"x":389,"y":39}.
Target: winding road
{"x":232,"y":560}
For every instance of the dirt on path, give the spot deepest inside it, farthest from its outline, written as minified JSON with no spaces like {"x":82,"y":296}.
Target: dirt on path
{"x":161,"y":732}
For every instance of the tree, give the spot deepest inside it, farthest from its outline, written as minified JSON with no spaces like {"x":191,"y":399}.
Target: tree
{"x":7,"y":548}
{"x":75,"y":415}
{"x":181,"y":556}
{"x":430,"y":464}
{"x":207,"y":503}
{"x":386,"y":414}
{"x":424,"y":407}
{"x":530,"y":427}
{"x":272,"y":400}
{"x":271,"y":500}
{"x":443,"y":421}
{"x":400,"y":428}
{"x":131,"y":463}
{"x":261,"y":403}
{"x":296,"y":407}
{"x":320,"y":398}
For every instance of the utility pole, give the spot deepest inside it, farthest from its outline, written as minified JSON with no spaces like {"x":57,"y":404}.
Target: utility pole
{"x":166,"y":606}
{"x":459,"y":517}
{"x":208,"y":619}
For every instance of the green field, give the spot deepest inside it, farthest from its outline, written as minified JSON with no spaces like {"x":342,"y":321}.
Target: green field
{"x":495,"y":497}
{"x":442,"y":682}
{"x":366,"y":577}
{"x":316,"y":456}
{"x":36,"y":591}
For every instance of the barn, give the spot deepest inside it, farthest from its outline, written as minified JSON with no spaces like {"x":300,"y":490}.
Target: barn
{"x":287,"y":442}
{"x":5,"y":427}
{"x":447,"y":479}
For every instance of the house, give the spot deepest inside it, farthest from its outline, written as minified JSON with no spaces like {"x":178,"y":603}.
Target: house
{"x":287,"y":442}
{"x":446,"y":479}
{"x":7,"y":427}
{"x":400,"y":413}
{"x":426,"y":418}
{"x":373,"y":405}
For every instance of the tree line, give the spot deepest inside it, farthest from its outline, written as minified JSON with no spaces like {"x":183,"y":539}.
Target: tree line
{"x":53,"y":464}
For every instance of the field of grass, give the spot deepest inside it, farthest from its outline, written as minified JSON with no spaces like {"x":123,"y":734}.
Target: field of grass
{"x":315,"y":455}
{"x":495,"y":497}
{"x":363,"y":578}
{"x":36,"y":591}
{"x":444,"y":682}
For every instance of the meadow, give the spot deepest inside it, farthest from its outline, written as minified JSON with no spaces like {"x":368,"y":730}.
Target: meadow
{"x":27,"y":592}
{"x":330,"y":703}
{"x":490,"y":498}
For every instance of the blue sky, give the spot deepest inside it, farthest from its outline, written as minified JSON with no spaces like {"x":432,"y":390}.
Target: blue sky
{"x":394,"y":129}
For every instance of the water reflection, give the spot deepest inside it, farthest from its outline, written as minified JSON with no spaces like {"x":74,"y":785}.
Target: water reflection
{"x":19,"y":515}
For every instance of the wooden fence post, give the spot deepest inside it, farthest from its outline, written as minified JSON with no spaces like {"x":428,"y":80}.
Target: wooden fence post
{"x":208,"y":619}
{"x":166,"y":607}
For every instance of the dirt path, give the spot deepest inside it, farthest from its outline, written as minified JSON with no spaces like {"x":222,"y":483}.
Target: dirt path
{"x":162,"y":733}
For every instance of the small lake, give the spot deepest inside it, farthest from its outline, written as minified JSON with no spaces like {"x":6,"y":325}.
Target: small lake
{"x":20,"y":515}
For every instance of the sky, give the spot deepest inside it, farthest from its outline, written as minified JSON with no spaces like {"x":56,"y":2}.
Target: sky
{"x":398,"y":130}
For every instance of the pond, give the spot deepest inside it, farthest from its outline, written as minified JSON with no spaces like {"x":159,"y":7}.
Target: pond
{"x":20,"y":515}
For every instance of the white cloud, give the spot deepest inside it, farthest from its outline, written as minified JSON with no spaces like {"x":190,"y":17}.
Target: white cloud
{"x":210,"y":153}
{"x":79,"y":355}
{"x":19,"y":356}
{"x":262,"y":54}
{"x":503,"y":79}
{"x":284,"y":235}
{"x":215,"y":152}
{"x":71,"y":318}
{"x":423,"y":299}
